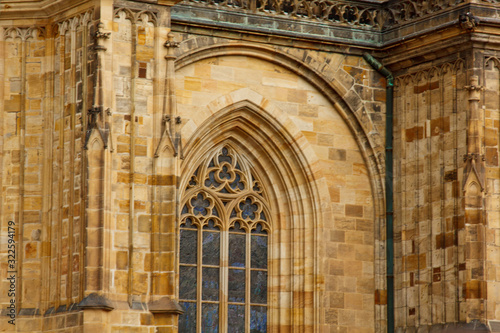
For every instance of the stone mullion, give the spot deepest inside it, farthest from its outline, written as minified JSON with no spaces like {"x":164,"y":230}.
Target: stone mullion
{"x":248,"y":283}
{"x":199,"y":277}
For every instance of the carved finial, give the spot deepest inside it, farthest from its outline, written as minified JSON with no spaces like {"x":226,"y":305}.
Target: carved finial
{"x":99,"y":34}
{"x":170,"y":41}
{"x":468,"y":21}
{"x":474,"y":84}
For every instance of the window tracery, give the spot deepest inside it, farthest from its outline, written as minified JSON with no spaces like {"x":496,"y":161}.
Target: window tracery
{"x":223,"y":250}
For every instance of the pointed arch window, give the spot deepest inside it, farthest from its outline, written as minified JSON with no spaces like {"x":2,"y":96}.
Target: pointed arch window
{"x":223,"y":252}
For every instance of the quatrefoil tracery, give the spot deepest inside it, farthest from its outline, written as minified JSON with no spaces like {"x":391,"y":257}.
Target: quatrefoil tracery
{"x":224,"y":189}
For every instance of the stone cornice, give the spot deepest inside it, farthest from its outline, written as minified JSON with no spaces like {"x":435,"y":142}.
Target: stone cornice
{"x":377,"y":16}
{"x":43,"y":9}
{"x":46,"y":9}
{"x":415,"y":19}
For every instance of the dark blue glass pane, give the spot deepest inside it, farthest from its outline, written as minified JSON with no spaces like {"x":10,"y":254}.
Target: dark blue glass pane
{"x":236,"y":226}
{"x":188,"y":223}
{"x":210,"y":284}
{"x":258,"y":287}
{"x":184,"y":209}
{"x":188,"y":248}
{"x":211,"y":225}
{"x":258,"y":319}
{"x":199,"y":205}
{"x":211,"y":248}
{"x":236,"y":318}
{"x":224,"y":173}
{"x":236,"y":287}
{"x":237,"y":183}
{"x":187,"y":285}
{"x":256,"y":187}
{"x":215,"y":212}
{"x":187,"y":321}
{"x":263,"y":217}
{"x":259,"y":252}
{"x":224,"y":157}
{"x":258,"y":229}
{"x":210,"y":318}
{"x":211,"y":180}
{"x":248,"y":209}
{"x":237,"y":250}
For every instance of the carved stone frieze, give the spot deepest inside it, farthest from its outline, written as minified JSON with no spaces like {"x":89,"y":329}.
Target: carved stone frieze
{"x":136,"y":16}
{"x":369,"y":15}
{"x":23,"y":33}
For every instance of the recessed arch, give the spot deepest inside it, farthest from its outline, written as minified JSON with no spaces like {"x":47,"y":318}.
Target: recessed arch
{"x":298,"y":197}
{"x":347,"y":103}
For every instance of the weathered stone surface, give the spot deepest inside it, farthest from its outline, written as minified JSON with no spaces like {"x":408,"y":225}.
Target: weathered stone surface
{"x":97,"y":197}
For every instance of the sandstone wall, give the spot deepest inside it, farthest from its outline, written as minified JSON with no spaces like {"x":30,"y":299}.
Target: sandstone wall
{"x":446,"y":192}
{"x":91,"y":165}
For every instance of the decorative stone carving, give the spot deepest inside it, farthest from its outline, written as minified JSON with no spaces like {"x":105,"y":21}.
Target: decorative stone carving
{"x":375,"y":16}
{"x":468,"y":21}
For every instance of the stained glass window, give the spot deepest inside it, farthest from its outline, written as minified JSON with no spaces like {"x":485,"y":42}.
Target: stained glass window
{"x":223,"y":249}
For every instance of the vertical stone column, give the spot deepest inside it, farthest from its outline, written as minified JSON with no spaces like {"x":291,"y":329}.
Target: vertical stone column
{"x":474,"y":287}
{"x":95,"y":305}
{"x":163,"y":305}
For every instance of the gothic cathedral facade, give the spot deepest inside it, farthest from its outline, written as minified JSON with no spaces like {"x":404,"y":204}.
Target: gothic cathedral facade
{"x":242,"y":166}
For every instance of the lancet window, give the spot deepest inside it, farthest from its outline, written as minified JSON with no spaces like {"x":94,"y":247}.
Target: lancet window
{"x":223,"y":252}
